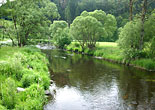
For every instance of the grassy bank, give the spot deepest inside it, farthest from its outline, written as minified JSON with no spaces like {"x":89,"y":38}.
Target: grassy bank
{"x":26,"y":68}
{"x":111,"y":52}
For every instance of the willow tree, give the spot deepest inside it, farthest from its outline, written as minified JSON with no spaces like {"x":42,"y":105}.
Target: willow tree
{"x":86,"y":30}
{"x":90,"y":26}
{"x":60,"y":33}
{"x":108,"y":22}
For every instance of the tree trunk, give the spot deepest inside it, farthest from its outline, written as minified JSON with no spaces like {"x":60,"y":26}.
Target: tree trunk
{"x":130,"y":10}
{"x":13,"y":43}
{"x":15,"y":26}
{"x":144,"y":9}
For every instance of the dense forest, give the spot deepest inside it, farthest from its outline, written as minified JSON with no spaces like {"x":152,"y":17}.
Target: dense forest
{"x":120,"y":31}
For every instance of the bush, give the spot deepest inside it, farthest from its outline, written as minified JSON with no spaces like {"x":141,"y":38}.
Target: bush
{"x":9,"y":93}
{"x":89,"y":51}
{"x":12,"y":68}
{"x":145,"y":63}
{"x":28,"y":67}
{"x":129,"y":39}
{"x":29,"y":104}
{"x":64,"y":41}
{"x":2,"y":107}
{"x":29,"y":79}
{"x":32,"y":99}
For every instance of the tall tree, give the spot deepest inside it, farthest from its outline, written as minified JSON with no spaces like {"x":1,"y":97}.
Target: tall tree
{"x":87,"y":33}
{"x":31,"y":18}
{"x":131,"y":9}
{"x":60,"y":33}
{"x":144,"y":10}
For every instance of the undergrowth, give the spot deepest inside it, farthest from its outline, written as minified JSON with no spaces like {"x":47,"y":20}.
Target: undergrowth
{"x":27,"y":68}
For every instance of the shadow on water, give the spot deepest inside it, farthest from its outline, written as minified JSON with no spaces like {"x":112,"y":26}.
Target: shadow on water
{"x":85,"y":83}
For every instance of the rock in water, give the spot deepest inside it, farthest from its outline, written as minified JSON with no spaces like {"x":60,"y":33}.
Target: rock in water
{"x":47,"y":92}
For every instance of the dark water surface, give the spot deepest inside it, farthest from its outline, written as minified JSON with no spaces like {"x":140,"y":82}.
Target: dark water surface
{"x":85,"y":83}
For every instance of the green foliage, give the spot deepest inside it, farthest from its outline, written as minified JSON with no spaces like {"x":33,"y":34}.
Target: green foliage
{"x":2,"y":107}
{"x":28,"y":67}
{"x":9,"y":93}
{"x":152,"y":48}
{"x":112,"y":52}
{"x":11,"y":68}
{"x":88,"y":33}
{"x":108,"y":21}
{"x":60,"y":33}
{"x":29,"y":79}
{"x":129,"y":39}
{"x":31,"y":19}
{"x":31,"y":99}
{"x":74,"y":46}
{"x":86,"y":30}
{"x":149,"y":27}
{"x":64,"y":41}
{"x":145,"y":63}
{"x":7,"y":31}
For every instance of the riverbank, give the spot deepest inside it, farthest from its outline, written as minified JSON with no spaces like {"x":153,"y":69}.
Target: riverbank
{"x":111,"y":52}
{"x":23,"y":68}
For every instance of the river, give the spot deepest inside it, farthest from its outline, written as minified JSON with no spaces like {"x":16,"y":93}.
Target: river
{"x":85,"y":83}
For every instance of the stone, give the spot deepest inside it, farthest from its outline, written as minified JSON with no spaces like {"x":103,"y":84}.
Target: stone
{"x":63,"y":57}
{"x":19,"y":89}
{"x":51,"y":81}
{"x":47,"y":92}
{"x":68,"y":70}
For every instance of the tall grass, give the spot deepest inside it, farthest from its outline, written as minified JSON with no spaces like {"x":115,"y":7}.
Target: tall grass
{"x":25,"y":67}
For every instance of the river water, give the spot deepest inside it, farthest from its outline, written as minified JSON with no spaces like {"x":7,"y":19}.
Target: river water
{"x":86,"y":83}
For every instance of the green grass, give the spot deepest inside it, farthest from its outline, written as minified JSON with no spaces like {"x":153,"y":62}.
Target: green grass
{"x":27,"y":68}
{"x":111,"y":51}
{"x":145,"y":63}
{"x":108,"y":50}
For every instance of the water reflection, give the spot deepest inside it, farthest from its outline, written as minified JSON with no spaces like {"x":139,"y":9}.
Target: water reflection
{"x":85,"y":83}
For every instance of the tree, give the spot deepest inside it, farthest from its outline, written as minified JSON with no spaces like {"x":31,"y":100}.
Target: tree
{"x":86,"y":30}
{"x":131,"y":9}
{"x":144,"y":10}
{"x":31,"y":18}
{"x":108,"y":22}
{"x":149,"y":37}
{"x":60,"y":33}
{"x":34,"y":18}
{"x":129,"y":39}
{"x":130,"y":36}
{"x":8,"y":30}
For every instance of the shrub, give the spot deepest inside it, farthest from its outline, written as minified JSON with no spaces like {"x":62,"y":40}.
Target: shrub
{"x":29,"y":79}
{"x":12,"y":68}
{"x":89,"y":51}
{"x":9,"y":93}
{"x":32,"y":99}
{"x":64,"y":41}
{"x":146,"y":63}
{"x":2,"y":107}
{"x":76,"y":44}
{"x":129,"y":39}
{"x":30,"y":104}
